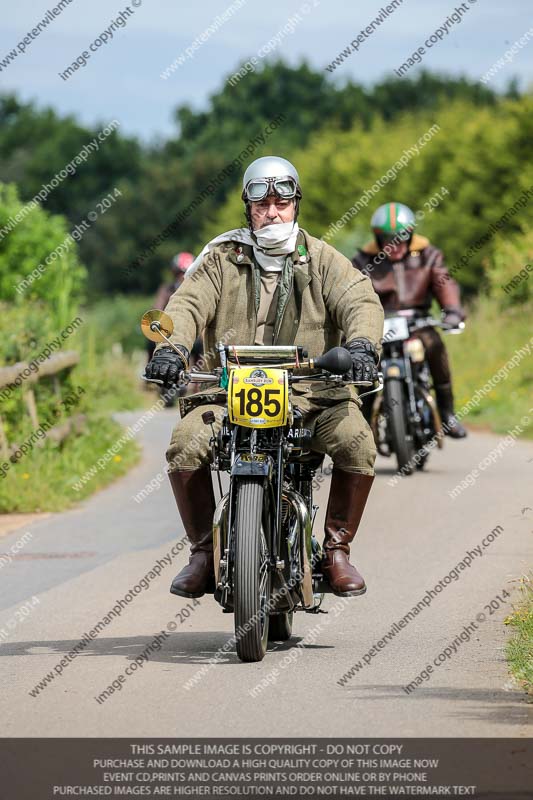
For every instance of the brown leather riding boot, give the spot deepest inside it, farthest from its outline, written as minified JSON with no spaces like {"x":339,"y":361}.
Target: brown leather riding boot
{"x":347,"y":499}
{"x":452,"y":426}
{"x":193,"y":490}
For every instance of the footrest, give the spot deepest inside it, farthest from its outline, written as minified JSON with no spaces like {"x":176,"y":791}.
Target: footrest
{"x":321,"y":584}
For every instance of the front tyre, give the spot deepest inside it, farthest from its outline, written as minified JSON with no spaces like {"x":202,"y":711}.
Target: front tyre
{"x":402,"y":441}
{"x":251,"y":585}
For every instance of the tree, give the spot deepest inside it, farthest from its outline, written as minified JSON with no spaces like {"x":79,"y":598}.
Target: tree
{"x":172,"y":192}
{"x":481,"y":156}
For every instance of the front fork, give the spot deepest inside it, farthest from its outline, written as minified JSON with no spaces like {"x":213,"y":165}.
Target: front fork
{"x":300,"y":552}
{"x":401,"y":363}
{"x":410,"y":387}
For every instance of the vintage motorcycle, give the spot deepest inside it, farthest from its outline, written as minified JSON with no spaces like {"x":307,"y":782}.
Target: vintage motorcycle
{"x":266,"y":558}
{"x":405,"y":418}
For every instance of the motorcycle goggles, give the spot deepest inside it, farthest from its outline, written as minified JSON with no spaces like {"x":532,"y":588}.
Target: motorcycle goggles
{"x":258,"y":189}
{"x":394,"y":238}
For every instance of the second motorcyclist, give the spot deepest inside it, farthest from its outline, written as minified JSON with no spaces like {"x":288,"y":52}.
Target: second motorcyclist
{"x":407,"y":272}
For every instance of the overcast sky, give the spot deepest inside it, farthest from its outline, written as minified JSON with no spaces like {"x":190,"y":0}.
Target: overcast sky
{"x":122,"y":78}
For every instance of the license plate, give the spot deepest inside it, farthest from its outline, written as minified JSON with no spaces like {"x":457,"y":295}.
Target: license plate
{"x":395,"y":329}
{"x":258,"y":398}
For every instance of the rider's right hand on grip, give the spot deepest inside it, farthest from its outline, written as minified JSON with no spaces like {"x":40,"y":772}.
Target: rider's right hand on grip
{"x":364,"y":360}
{"x":166,"y":365}
{"x":452,"y":317}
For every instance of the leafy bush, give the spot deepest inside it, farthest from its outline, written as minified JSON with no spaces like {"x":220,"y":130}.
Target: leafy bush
{"x":24,"y":249}
{"x":34,"y":317}
{"x":102,"y":382}
{"x":510,"y":270}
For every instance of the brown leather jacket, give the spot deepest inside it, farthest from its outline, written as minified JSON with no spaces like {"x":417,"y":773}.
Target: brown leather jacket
{"x":413,"y":281}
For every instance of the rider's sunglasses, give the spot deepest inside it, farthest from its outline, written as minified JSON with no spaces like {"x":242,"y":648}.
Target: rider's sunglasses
{"x":256,"y":190}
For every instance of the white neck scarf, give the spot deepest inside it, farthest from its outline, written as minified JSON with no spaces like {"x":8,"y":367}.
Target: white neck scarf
{"x":274,"y":244}
{"x":271,"y":244}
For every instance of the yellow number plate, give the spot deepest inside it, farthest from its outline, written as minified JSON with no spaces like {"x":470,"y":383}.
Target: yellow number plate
{"x":258,"y":398}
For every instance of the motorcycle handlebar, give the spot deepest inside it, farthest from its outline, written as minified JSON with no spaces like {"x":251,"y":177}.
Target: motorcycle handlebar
{"x":429,"y":322}
{"x":332,"y":365}
{"x":201,"y":377}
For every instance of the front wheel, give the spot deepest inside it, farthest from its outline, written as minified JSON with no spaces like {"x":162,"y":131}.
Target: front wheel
{"x":251,"y":585}
{"x":402,"y":441}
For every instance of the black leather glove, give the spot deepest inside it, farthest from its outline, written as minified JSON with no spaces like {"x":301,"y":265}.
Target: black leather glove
{"x":364,"y":360}
{"x":452,"y":317}
{"x":166,"y":365}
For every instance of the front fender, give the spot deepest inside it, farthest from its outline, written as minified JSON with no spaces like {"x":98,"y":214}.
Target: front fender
{"x":393,"y":368}
{"x":252,"y":465}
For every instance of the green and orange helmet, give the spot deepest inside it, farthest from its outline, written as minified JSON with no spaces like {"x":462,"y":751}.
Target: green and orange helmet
{"x":393,"y":221}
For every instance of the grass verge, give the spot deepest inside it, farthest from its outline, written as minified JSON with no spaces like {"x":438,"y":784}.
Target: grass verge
{"x":43,"y":480}
{"x":491,"y":338}
{"x":520,"y":646}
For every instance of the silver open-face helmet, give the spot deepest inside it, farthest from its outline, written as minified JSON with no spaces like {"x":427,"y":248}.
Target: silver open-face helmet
{"x":271,"y":175}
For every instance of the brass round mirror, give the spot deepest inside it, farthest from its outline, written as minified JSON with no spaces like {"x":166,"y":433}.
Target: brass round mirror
{"x":154,"y":323}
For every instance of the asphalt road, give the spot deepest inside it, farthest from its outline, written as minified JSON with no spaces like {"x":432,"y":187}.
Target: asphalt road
{"x":76,"y":565}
